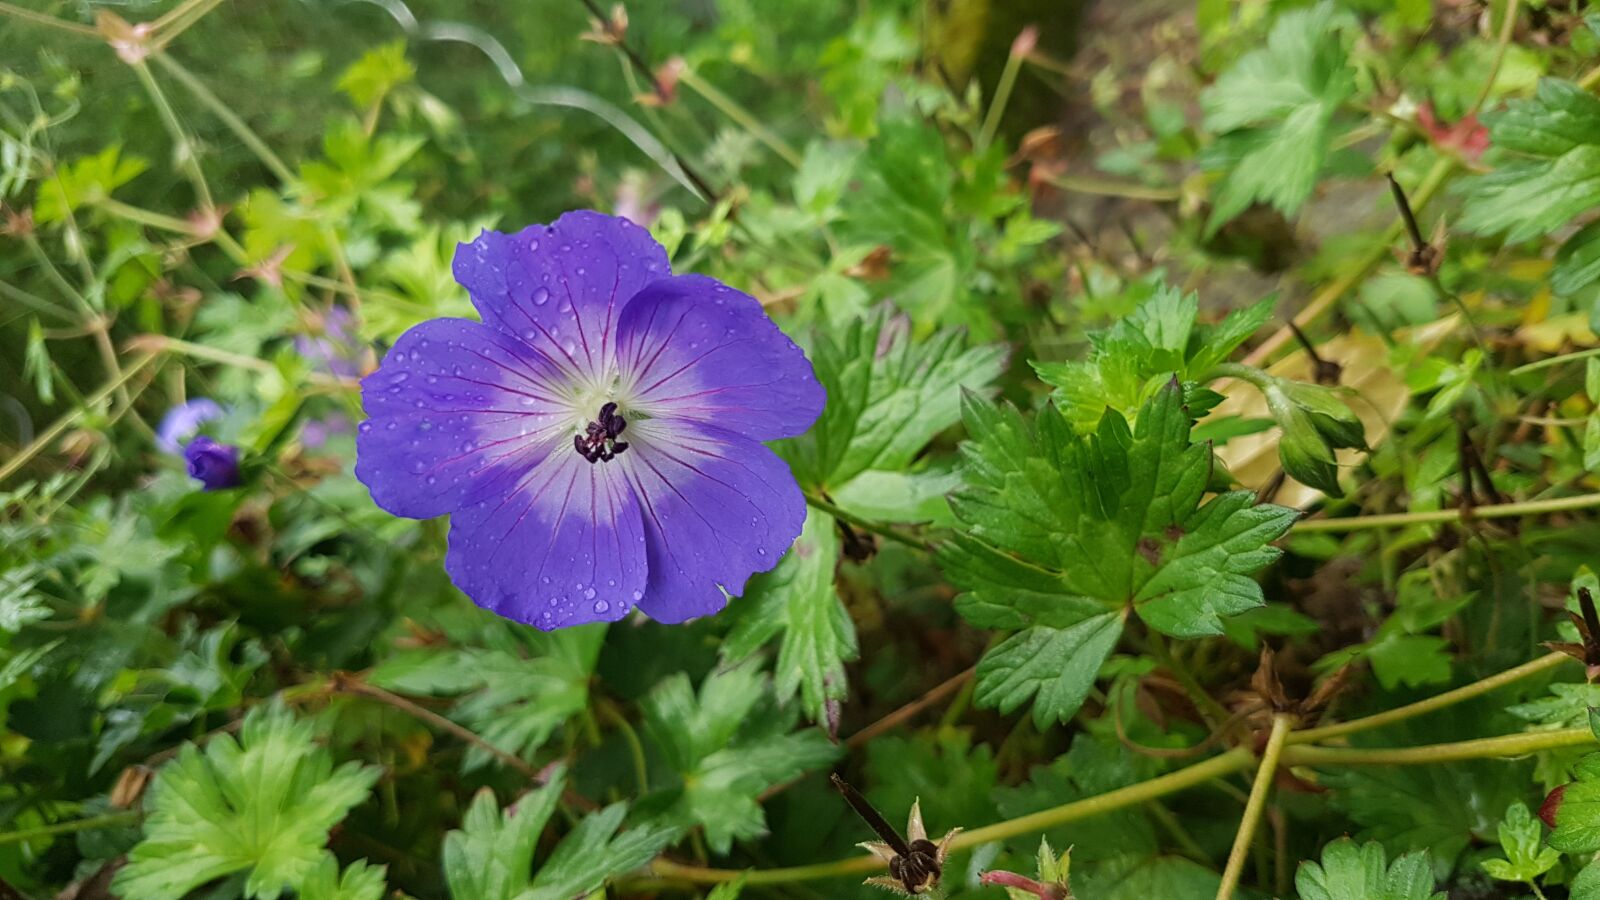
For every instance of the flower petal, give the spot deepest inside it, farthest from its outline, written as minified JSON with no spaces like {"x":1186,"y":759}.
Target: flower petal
{"x":560,"y":288}
{"x":558,"y":545}
{"x":452,"y":400}
{"x":717,"y":507}
{"x":692,"y":347}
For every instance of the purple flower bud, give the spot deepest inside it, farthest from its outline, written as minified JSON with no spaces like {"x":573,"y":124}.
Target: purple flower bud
{"x":182,"y":421}
{"x":214,"y":465}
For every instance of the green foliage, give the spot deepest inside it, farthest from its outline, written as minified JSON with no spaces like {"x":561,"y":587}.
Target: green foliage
{"x":1552,"y":142}
{"x":725,"y":750}
{"x":1522,"y":841}
{"x":1275,"y":108}
{"x":491,"y":856}
{"x":1100,"y":526}
{"x":1133,"y":358}
{"x":798,"y":600}
{"x":1351,"y":871}
{"x":261,"y":804}
{"x":889,"y":394}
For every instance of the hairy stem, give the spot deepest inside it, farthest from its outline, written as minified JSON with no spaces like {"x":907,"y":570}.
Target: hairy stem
{"x":1431,"y":704}
{"x":1436,"y":516}
{"x":856,"y":521}
{"x":108,"y":820}
{"x":1504,"y":746}
{"x":1259,"y":789}
{"x":46,"y":437}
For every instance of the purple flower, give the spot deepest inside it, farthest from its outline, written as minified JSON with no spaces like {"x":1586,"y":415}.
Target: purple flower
{"x":597,"y":437}
{"x":182,"y":421}
{"x":214,"y":465}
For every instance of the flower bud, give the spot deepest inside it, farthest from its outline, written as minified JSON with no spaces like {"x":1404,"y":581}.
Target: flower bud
{"x":1303,"y":450}
{"x":214,"y":465}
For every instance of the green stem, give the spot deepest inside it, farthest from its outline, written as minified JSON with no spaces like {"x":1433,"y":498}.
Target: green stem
{"x":856,"y":521}
{"x":1235,"y":760}
{"x":1431,"y":704}
{"x":1002,"y":96}
{"x":1328,"y":297}
{"x":1509,"y":745}
{"x":1259,"y":788}
{"x":730,"y":108}
{"x":108,"y":820}
{"x":1101,"y":187}
{"x":641,"y":770}
{"x":1555,"y":361}
{"x":1435,"y":516}
{"x":188,"y":159}
{"x":229,"y":118}
{"x":1199,"y":773}
{"x":67,"y":421}
{"x":1213,"y":712}
{"x":39,"y":18}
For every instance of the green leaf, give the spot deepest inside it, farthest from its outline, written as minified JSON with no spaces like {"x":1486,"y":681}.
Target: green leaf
{"x":1522,"y":840}
{"x":798,"y":600}
{"x":515,"y":692}
{"x":1352,"y":872}
{"x":1100,"y":523}
{"x":1551,"y":174}
{"x":360,"y":881}
{"x":261,"y":804}
{"x":1413,"y":660}
{"x":83,"y":181}
{"x":1055,"y":667}
{"x":1567,"y":707}
{"x":378,"y":71}
{"x":1578,"y":261}
{"x":888,"y":395}
{"x":1133,"y":358}
{"x":724,"y":753}
{"x":1573,"y":809}
{"x":1276,"y":105}
{"x":491,"y":856}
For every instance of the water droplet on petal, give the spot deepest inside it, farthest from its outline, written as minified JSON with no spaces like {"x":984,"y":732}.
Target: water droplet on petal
{"x":601,"y":606}
{"x":541,"y":296}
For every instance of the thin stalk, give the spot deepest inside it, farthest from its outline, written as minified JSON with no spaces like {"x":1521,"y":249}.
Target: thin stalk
{"x":229,"y":118}
{"x":1502,"y":747}
{"x":1235,"y":760}
{"x":1555,"y":361}
{"x":856,"y":521}
{"x":1101,"y":187}
{"x":49,"y":21}
{"x":46,"y":437}
{"x":211,"y":354}
{"x":346,"y":685}
{"x":1214,"y":713}
{"x":1436,"y":516}
{"x":1002,"y":96}
{"x":1437,"y":702}
{"x":1504,"y":41}
{"x":188,"y":159}
{"x":172,"y":25}
{"x":641,"y":770}
{"x":107,"y":820}
{"x":1253,"y":807}
{"x":1325,"y":299}
{"x":731,"y":108}
{"x":1197,"y":774}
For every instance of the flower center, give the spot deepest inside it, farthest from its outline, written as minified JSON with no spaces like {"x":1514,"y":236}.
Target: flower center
{"x":599,"y":441}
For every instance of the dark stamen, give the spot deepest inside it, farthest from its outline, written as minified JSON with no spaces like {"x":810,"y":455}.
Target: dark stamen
{"x":599,"y":441}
